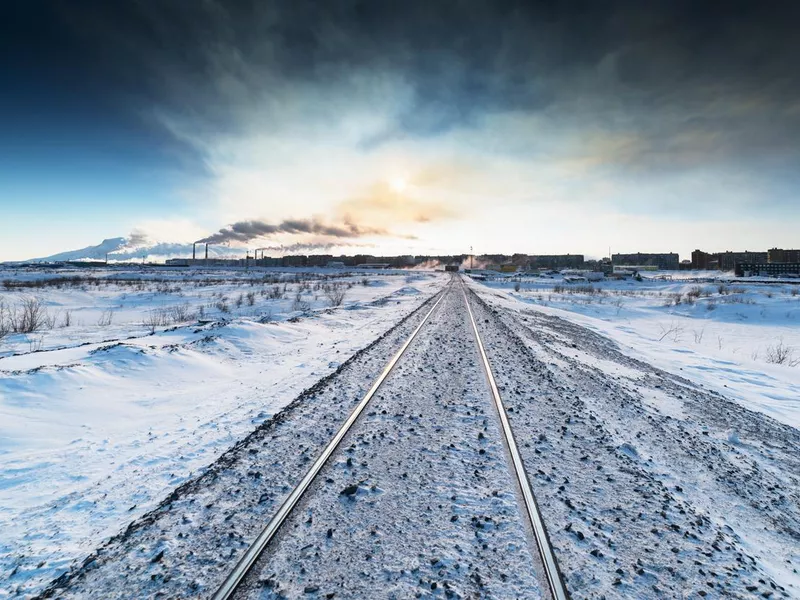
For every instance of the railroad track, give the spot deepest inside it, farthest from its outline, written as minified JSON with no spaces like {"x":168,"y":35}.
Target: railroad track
{"x":529,"y":508}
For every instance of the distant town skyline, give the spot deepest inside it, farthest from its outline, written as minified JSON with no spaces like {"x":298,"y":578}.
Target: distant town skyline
{"x":401,"y":128}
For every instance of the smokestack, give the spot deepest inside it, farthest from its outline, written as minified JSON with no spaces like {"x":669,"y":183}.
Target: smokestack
{"x":206,"y":253}
{"x":194,"y":247}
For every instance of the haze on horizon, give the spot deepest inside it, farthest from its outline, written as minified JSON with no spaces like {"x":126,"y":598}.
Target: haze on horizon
{"x":401,"y":128}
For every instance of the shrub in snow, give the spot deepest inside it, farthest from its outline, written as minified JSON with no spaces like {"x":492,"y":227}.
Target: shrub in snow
{"x":695,"y":292}
{"x":781,"y":354}
{"x":335,"y":295}
{"x":105,"y":318}
{"x":30,"y":317}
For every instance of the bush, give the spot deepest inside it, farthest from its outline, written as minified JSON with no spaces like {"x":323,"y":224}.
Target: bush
{"x":5,"y":319}
{"x":180,"y":313}
{"x":335,"y":295}
{"x":156,"y":317}
{"x":30,"y":317}
{"x":298,"y":304}
{"x":516,"y":286}
{"x":781,"y":354}
{"x":105,"y":318}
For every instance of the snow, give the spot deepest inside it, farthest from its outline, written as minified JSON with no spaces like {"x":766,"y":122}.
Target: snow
{"x":420,"y":498}
{"x":130,"y":249}
{"x":104,"y":420}
{"x":650,"y":485}
{"x":719,"y":340}
{"x":189,"y":542}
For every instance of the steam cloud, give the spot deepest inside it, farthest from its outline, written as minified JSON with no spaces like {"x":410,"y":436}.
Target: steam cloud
{"x":298,"y":247}
{"x":244,"y":231}
{"x":137,"y":238}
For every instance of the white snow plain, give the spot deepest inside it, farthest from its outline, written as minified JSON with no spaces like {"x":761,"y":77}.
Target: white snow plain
{"x":722,"y":335}
{"x":650,"y":484}
{"x":100,"y":418}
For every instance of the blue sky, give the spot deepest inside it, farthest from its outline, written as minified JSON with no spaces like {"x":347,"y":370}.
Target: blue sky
{"x":510,"y":127}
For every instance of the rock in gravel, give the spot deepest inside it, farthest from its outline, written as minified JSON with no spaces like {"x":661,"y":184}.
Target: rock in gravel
{"x":349,"y":491}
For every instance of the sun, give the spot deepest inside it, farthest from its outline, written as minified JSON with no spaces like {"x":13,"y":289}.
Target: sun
{"x":398,"y":184}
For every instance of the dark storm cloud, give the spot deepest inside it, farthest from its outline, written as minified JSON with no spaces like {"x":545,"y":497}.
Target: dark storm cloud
{"x":244,"y":231}
{"x":691,"y":81}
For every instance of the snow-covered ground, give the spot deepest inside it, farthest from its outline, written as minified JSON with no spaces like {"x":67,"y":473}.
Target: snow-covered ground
{"x":740,"y":339}
{"x":651,"y":486}
{"x":137,"y":379}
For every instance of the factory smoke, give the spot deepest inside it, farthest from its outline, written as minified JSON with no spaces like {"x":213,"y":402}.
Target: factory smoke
{"x":299,"y":247}
{"x":137,"y":238}
{"x":244,"y":231}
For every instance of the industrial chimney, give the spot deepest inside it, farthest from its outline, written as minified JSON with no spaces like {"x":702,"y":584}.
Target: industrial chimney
{"x":194,"y":247}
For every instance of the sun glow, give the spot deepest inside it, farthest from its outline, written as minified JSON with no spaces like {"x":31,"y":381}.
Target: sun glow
{"x":398,"y":184}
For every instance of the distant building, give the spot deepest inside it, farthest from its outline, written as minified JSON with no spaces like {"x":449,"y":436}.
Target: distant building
{"x":293,"y":261}
{"x":268,"y":261}
{"x":701,"y":261}
{"x":552,"y":261}
{"x":177,"y":262}
{"x":776,"y":255}
{"x":318,"y":260}
{"x":768,"y":269}
{"x":634,"y":269}
{"x":668,"y":261}
{"x":727,"y":261}
{"x":335,"y":264}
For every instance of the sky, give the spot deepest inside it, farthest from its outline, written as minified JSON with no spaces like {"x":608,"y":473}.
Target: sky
{"x":410,"y":127}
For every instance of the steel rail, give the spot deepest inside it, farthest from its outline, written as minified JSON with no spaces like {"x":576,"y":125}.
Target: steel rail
{"x":249,"y":558}
{"x":554,"y":581}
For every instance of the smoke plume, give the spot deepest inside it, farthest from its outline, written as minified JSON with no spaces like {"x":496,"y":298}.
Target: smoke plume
{"x":244,"y":231}
{"x":297,"y":248}
{"x":137,"y":238}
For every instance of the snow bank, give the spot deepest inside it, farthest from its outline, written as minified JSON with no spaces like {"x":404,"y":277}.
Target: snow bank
{"x":742,"y":340}
{"x":101,"y":422}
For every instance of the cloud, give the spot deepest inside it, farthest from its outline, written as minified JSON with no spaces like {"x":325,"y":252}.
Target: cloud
{"x":382,"y":203}
{"x":137,"y":237}
{"x":299,"y":247}
{"x":245,"y":231}
{"x":489,"y":110}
